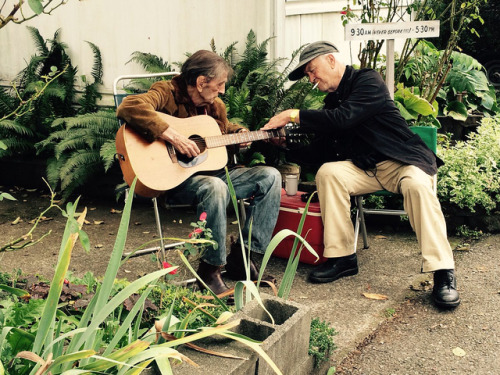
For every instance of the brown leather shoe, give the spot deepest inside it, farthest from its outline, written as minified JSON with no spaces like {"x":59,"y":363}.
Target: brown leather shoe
{"x":235,"y":267}
{"x":211,"y":275}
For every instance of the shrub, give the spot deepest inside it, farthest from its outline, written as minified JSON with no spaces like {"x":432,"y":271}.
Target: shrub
{"x":321,"y":343}
{"x":82,"y":147}
{"x":470,"y":178}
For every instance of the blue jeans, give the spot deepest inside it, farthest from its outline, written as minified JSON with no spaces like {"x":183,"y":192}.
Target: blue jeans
{"x":211,"y":195}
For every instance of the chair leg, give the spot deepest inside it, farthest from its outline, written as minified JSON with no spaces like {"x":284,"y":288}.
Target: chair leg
{"x":162,"y":246}
{"x":362,"y":223}
{"x":158,"y":228}
{"x":356,"y":227}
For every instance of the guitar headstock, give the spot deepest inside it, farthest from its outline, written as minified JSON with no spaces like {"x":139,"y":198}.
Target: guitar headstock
{"x":295,"y":137}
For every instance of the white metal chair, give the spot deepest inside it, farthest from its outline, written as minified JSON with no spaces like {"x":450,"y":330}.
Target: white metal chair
{"x":429,"y":136}
{"x":118,"y":97}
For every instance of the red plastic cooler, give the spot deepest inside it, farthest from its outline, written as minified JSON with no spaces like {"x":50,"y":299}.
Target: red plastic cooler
{"x":291,"y":210}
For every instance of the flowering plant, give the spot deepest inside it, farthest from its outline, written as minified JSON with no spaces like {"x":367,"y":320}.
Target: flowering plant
{"x":172,"y":273}
{"x":200,"y":231}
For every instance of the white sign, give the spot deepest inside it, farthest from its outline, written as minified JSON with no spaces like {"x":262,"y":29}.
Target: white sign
{"x":395,"y":30}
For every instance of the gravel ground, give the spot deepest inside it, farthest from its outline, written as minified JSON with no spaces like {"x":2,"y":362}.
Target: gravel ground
{"x":421,"y":339}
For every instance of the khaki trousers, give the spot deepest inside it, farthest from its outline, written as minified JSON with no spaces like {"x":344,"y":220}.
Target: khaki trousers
{"x":337,"y":181}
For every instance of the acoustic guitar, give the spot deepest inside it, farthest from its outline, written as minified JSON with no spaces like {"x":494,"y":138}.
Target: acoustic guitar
{"x":160,"y":167}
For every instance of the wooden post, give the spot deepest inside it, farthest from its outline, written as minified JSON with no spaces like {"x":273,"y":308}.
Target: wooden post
{"x":389,"y":69}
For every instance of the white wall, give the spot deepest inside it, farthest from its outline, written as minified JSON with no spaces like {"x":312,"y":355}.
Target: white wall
{"x":169,"y":29}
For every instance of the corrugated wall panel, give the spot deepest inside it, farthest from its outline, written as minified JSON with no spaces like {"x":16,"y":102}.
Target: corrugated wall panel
{"x":169,"y":29}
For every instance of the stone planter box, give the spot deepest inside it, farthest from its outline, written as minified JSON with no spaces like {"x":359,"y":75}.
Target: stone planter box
{"x":459,"y":129}
{"x":286,"y":342}
{"x":456,"y":217}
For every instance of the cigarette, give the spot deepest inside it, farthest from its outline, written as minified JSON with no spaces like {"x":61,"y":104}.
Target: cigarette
{"x":315,"y":85}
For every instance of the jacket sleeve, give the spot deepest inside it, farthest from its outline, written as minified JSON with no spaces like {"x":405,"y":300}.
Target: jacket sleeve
{"x":368,"y":96}
{"x":140,"y":111}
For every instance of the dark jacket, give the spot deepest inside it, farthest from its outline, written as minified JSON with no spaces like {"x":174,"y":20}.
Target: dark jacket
{"x":360,"y":122}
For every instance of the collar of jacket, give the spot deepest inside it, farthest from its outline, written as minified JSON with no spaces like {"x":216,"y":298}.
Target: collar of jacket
{"x":340,"y":93}
{"x":181,"y":94}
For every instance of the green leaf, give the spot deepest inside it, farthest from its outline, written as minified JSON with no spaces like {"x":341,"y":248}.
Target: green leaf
{"x":36,"y":6}
{"x":404,"y":112}
{"x":71,"y":358}
{"x":413,"y":104}
{"x":125,"y":325}
{"x":14,"y":291}
{"x":488,"y":98}
{"x":49,"y":311}
{"x":456,"y":110}
{"x":122,"y":355}
{"x":6,"y":196}
{"x":84,"y":240}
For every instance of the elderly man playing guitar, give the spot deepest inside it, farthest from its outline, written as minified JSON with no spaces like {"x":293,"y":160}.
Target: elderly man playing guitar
{"x":153,"y":115}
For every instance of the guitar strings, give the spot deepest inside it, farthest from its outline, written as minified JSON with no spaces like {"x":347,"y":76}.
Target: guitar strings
{"x":200,"y":141}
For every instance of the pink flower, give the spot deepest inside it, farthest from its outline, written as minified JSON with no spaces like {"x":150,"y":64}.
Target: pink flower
{"x":195,"y":232}
{"x":203,"y":216}
{"x":168,"y":265}
{"x":66,"y":281}
{"x":343,"y":12}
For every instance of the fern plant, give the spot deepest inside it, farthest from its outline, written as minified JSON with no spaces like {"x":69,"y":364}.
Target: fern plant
{"x":260,"y":89}
{"x":88,"y":102}
{"x":83,"y":147}
{"x":151,"y":64}
{"x":19,"y":134}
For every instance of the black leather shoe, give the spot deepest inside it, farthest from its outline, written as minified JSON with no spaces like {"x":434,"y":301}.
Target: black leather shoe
{"x":444,"y":292}
{"x":335,"y":268}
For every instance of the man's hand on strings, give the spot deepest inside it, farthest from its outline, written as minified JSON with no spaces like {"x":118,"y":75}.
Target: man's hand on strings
{"x":278,"y":121}
{"x":181,"y":143}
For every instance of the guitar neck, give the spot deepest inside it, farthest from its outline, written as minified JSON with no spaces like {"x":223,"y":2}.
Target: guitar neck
{"x":242,"y":137}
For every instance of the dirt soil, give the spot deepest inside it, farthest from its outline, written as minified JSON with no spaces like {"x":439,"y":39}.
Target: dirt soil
{"x":102,"y":222}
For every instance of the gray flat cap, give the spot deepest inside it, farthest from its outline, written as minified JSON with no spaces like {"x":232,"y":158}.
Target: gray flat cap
{"x":309,"y":53}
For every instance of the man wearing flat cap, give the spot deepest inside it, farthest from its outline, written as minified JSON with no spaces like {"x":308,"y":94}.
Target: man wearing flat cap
{"x":368,"y":146}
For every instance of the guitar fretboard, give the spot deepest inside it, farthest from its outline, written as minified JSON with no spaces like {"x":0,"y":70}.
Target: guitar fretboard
{"x":242,"y":137}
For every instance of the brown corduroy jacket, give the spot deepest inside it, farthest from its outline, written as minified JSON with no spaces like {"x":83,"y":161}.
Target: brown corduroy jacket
{"x":170,"y":97}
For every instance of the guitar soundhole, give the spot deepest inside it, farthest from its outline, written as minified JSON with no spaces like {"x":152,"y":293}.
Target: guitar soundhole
{"x":187,"y":161}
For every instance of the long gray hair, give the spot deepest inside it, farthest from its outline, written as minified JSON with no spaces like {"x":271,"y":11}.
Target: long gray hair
{"x":204,"y":63}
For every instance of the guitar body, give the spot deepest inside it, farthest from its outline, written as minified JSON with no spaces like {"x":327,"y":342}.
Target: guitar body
{"x":157,"y":165}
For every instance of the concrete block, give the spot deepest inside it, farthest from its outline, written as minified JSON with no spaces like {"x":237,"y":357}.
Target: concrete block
{"x":286,"y":342}
{"x":288,"y":345}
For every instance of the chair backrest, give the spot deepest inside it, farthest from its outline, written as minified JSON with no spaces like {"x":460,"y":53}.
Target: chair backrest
{"x":118,"y":96}
{"x":428,"y":135}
